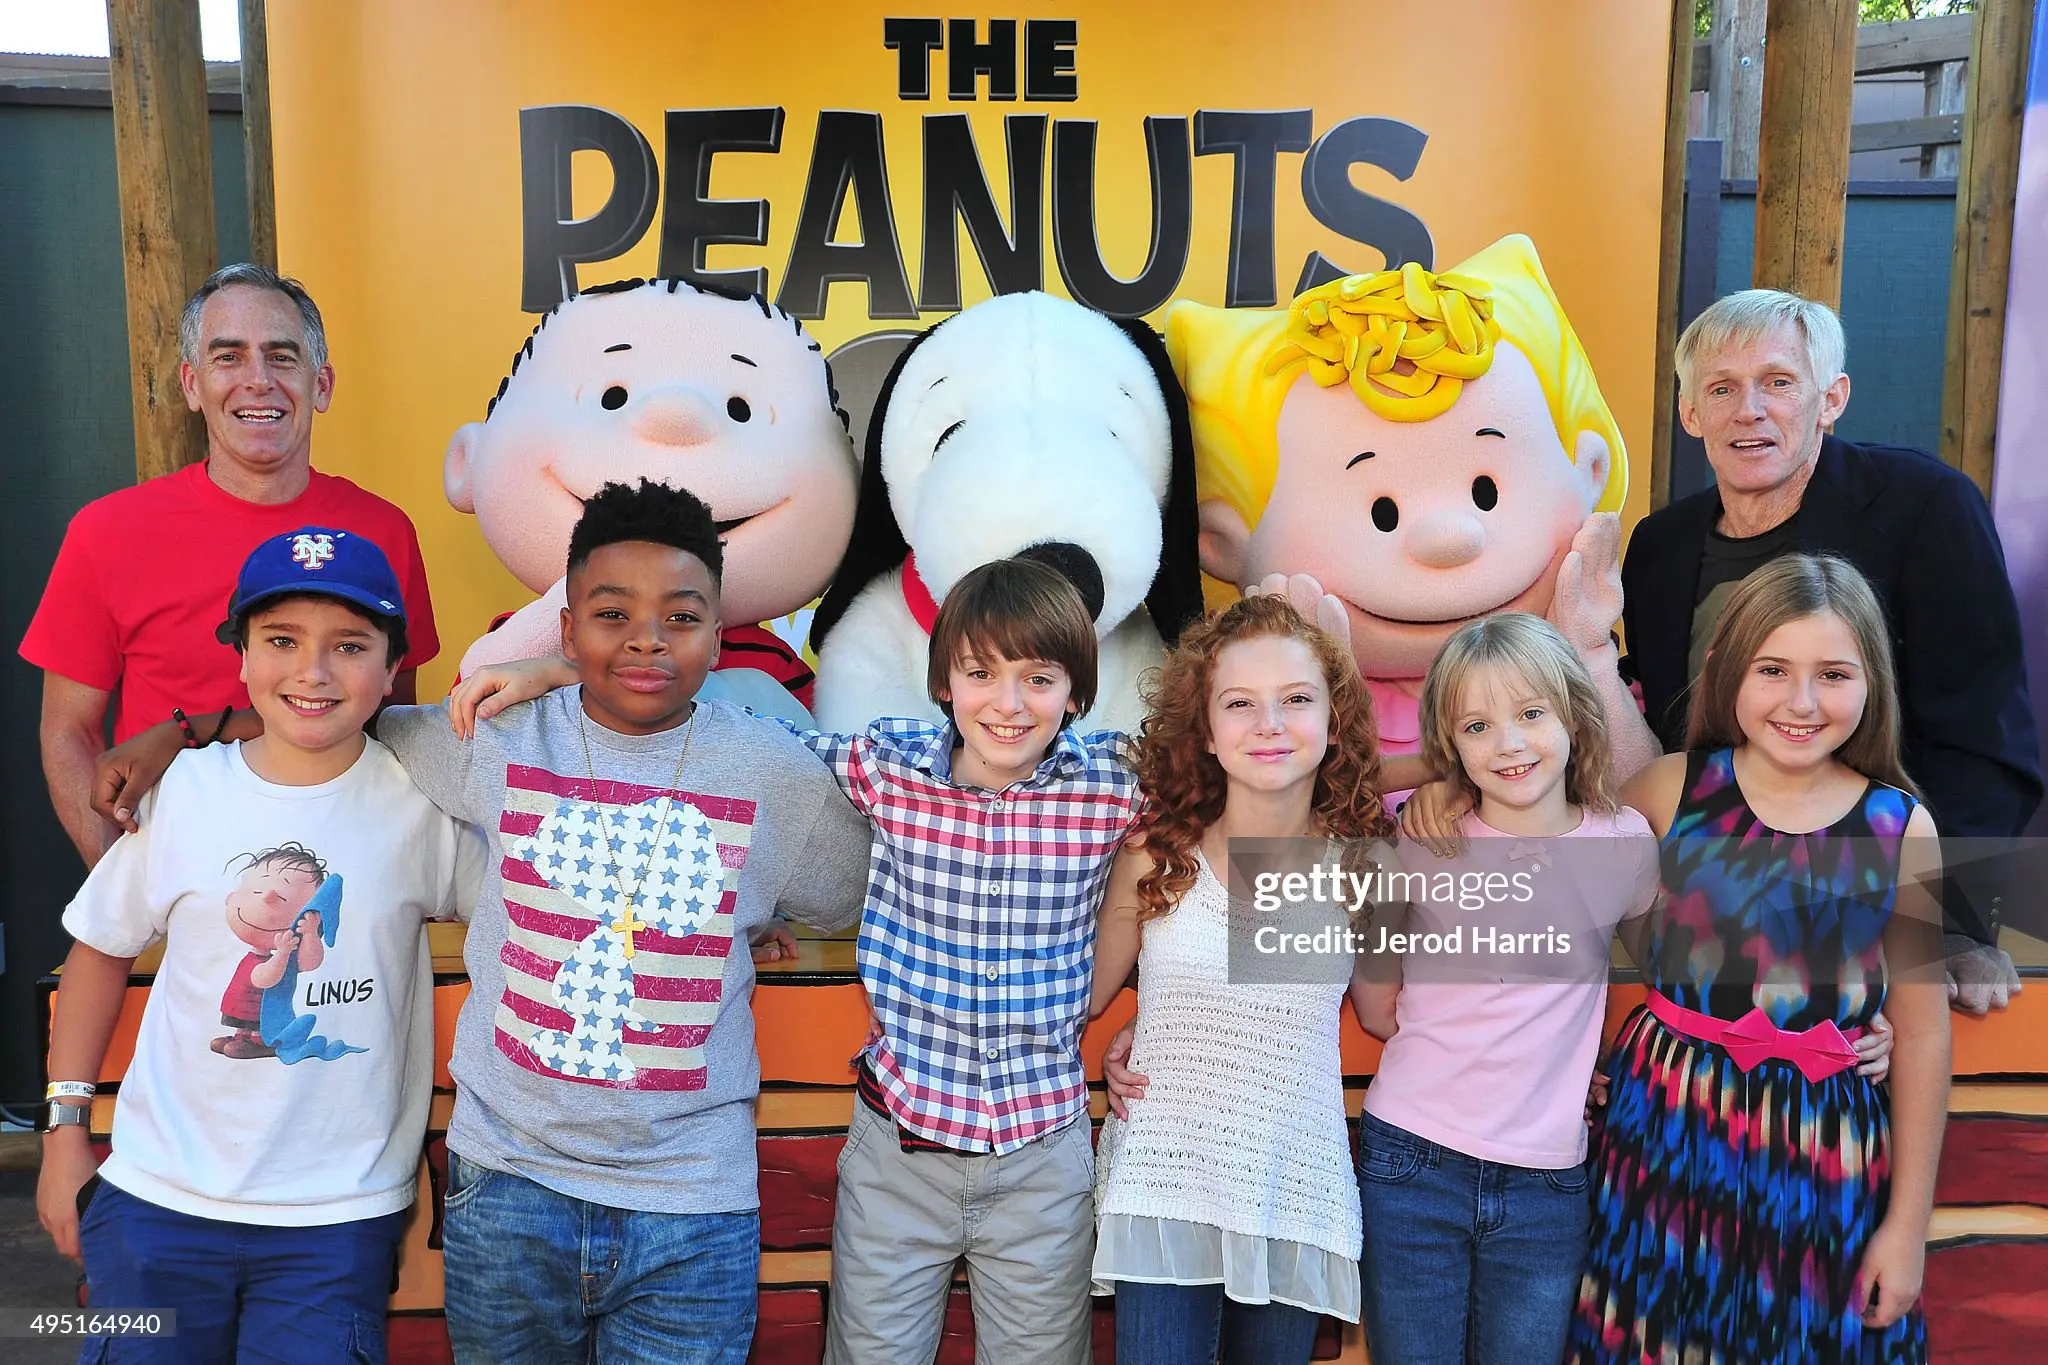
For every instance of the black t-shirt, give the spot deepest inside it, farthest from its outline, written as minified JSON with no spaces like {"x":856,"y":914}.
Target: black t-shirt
{"x":1725,"y":562}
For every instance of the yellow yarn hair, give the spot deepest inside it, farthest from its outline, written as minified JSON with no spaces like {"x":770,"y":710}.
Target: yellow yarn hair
{"x":1238,"y":364}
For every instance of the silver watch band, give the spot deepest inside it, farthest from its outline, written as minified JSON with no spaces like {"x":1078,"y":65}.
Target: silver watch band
{"x":62,"y":1115}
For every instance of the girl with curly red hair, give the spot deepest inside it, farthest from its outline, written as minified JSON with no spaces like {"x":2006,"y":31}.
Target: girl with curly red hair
{"x":1227,"y":1215}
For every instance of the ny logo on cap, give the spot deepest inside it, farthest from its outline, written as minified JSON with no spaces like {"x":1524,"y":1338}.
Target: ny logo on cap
{"x":312,"y":552}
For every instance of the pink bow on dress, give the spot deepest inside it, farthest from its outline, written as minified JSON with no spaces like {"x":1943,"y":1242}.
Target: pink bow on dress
{"x":1818,"y":1052}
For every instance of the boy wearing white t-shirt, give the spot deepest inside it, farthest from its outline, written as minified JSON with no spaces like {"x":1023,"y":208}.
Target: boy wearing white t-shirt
{"x":267,"y":1133}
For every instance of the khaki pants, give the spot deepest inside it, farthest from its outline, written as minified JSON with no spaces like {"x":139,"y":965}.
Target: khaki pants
{"x":1024,"y":1222}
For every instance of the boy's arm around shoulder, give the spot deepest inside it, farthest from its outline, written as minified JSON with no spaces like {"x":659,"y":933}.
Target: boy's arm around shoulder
{"x":849,"y":758}
{"x":439,"y":762}
{"x":826,"y":883}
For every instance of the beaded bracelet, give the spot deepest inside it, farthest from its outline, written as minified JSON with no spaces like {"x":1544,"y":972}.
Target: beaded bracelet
{"x":191,"y":735}
{"x":221,"y":728}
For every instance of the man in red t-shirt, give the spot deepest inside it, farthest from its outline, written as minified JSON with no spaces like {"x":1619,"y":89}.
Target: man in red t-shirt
{"x":144,"y":573}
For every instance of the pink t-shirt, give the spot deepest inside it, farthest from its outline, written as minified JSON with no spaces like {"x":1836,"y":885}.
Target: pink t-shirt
{"x":1496,"y":1065}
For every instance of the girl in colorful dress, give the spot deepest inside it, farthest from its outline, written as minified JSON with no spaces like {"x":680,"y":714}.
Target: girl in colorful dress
{"x":1227,"y":1212}
{"x":1472,"y":1147}
{"x":1755,"y":1199}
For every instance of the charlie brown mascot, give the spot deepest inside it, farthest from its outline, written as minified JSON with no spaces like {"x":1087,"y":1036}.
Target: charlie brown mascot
{"x":726,"y":396}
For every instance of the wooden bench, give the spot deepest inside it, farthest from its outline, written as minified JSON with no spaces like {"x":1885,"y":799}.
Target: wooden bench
{"x":1987,"y":1272}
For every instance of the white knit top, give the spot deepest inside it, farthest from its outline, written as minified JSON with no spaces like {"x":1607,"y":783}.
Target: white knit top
{"x":1235,"y":1167}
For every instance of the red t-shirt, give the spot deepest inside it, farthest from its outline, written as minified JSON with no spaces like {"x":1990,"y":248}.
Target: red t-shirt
{"x":760,"y":647}
{"x":145,"y":574}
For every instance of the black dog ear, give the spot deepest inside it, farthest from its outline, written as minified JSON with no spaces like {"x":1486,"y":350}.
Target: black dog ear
{"x":1175,"y":601}
{"x":877,"y":544}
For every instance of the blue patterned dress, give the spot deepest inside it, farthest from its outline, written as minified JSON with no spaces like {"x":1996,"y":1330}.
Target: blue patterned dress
{"x":1731,"y":1209}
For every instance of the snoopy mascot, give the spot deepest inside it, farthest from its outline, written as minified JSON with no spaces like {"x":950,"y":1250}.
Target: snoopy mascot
{"x":1029,"y":425}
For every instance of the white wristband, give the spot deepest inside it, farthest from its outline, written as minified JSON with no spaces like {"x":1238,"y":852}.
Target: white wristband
{"x":70,"y":1090}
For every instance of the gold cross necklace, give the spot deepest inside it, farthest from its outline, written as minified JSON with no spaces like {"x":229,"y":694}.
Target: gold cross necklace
{"x":626,"y":925}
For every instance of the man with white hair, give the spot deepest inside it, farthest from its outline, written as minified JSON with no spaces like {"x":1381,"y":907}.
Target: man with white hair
{"x":1760,"y":382}
{"x":145,"y":573}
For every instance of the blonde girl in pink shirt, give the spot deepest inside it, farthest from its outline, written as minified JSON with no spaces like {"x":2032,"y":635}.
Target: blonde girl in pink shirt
{"x":1472,"y":1147}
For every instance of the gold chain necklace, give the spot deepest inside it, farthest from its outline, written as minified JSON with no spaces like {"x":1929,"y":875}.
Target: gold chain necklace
{"x":625,"y":925}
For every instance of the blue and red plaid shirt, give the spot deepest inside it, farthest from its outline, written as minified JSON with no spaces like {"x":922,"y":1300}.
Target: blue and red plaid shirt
{"x":977,"y":942}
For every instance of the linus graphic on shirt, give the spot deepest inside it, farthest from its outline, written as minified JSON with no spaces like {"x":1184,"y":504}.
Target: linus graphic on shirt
{"x":287,"y":911}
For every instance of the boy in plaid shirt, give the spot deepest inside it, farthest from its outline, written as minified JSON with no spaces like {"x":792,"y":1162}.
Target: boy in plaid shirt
{"x":994,"y":835}
{"x":993,"y":839}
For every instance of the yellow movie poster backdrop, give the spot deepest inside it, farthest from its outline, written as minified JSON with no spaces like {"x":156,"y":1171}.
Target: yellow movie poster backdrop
{"x":446,"y":171}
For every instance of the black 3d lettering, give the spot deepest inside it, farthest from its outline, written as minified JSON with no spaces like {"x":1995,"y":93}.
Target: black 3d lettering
{"x":691,"y":220}
{"x":847,"y":155}
{"x":954,"y":183}
{"x":1394,"y":147}
{"x":554,"y":239}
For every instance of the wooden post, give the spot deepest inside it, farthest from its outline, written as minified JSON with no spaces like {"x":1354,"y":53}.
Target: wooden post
{"x":1677,"y":115}
{"x":1802,"y":178}
{"x":1735,"y":85}
{"x":1986,"y":188}
{"x":262,"y":178}
{"x":162,"y":158}
{"x":1697,"y":289}
{"x":1945,"y":86}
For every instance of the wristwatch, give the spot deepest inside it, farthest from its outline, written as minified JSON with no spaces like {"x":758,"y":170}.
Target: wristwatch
{"x":58,"y":1114}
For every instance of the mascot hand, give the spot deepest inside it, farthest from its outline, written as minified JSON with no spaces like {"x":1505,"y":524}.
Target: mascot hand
{"x":534,"y":631}
{"x":1587,"y":602}
{"x":1306,"y":595}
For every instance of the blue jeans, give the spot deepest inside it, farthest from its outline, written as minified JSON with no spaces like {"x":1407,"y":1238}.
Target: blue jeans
{"x":1194,"y":1324}
{"x":1466,"y":1260}
{"x":243,"y":1292}
{"x":535,"y":1278}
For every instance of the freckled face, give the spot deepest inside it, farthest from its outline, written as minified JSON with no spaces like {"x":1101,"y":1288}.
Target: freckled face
{"x":1420,"y":526}
{"x":1511,"y":742}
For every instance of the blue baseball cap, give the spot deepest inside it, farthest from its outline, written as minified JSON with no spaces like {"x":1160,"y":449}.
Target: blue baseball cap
{"x":315,"y":562}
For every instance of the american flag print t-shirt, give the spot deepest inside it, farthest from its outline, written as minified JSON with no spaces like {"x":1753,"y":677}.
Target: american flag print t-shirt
{"x":593,"y":993}
{"x":606,"y":1048}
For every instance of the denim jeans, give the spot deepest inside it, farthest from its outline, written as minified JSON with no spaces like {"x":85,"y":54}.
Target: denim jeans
{"x":1466,"y":1260}
{"x":1195,"y":1324}
{"x":537,"y":1278}
{"x":243,"y":1292}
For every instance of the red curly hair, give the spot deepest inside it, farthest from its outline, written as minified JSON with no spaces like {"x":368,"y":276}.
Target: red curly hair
{"x":1185,"y":784}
